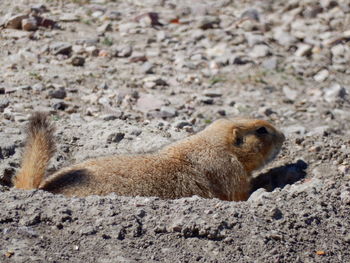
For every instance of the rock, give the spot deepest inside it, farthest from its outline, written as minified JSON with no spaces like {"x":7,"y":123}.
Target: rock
{"x":312,"y":11}
{"x":321,"y":75}
{"x":212,"y":93}
{"x":249,"y":25}
{"x":254,"y":39}
{"x":136,"y":132}
{"x":167,"y":112}
{"x":276,"y":213}
{"x":19,"y":88}
{"x":258,"y":195}
{"x":344,"y":169}
{"x":197,"y":34}
{"x":150,"y":84}
{"x":78,"y":61}
{"x":153,"y":52}
{"x":113,"y":15}
{"x":98,"y":13}
{"x":259,"y":51}
{"x":208,"y":22}
{"x":15,"y":34}
{"x":161,"y":36}
{"x":110,"y":117}
{"x":115,"y":137}
{"x":148,"y":102}
{"x":153,"y":81}
{"x":270,"y":63}
{"x":58,"y":94}
{"x":103,"y":53}
{"x":147,"y":67}
{"x":222,"y":112}
{"x":218,"y":50}
{"x":69,"y":17}
{"x":44,"y":22}
{"x":38,"y":87}
{"x":161,"y":82}
{"x":138,"y":58}
{"x":92,"y":51}
{"x":182,"y":124}
{"x":4,"y":103}
{"x":60,"y":106}
{"x":15,"y":22}
{"x":104,"y":101}
{"x":334,"y":92}
{"x":338,"y":50}
{"x":284,"y":38}
{"x":303,"y":50}
{"x":29,"y":24}
{"x":103,"y":86}
{"x":124,"y":51}
{"x":328,"y":3}
{"x":149,"y":19}
{"x":266,"y":111}
{"x":197,"y":57}
{"x":39,"y":8}
{"x":127,"y":28}
{"x":345,"y":198}
{"x":251,"y":14}
{"x":290,"y":94}
{"x":206,"y":100}
{"x":106,"y":26}
{"x":62,"y":48}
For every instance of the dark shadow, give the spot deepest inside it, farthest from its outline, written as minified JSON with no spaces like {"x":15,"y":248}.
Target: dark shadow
{"x":279,"y":177}
{"x":68,"y":179}
{"x":6,"y":178}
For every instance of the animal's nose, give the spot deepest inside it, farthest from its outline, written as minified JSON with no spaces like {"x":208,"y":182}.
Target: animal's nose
{"x":283,"y":138}
{"x":280,"y":136}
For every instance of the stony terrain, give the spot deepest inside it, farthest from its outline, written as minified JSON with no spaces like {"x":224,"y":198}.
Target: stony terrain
{"x":131,"y":76}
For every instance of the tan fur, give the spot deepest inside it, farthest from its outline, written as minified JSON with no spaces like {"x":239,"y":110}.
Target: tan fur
{"x":38,"y":151}
{"x":214,"y":163}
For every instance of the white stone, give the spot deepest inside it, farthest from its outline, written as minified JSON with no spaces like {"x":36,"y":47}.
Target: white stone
{"x":321,"y":75}
{"x":259,"y":51}
{"x":291,"y":94}
{"x":283,"y":38}
{"x":334,"y":92}
{"x":338,"y":50}
{"x":303,"y":50}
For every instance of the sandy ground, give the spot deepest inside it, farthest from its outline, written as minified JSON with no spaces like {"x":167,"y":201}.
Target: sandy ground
{"x":131,"y":76}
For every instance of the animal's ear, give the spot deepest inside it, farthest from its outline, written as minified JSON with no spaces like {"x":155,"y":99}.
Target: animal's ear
{"x":237,"y":138}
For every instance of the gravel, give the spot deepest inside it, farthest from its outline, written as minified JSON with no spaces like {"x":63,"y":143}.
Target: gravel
{"x":123,"y":77}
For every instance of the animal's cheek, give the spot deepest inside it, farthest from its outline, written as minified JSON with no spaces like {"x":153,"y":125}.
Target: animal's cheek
{"x":265,"y":149}
{"x":260,"y":147}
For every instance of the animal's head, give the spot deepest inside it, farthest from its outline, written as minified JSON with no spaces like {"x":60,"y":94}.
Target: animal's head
{"x":254,"y":142}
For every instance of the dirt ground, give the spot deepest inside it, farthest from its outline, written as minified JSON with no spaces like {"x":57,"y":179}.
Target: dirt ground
{"x":131,"y":76}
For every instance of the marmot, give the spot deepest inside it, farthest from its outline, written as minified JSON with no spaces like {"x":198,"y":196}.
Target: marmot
{"x":214,"y":163}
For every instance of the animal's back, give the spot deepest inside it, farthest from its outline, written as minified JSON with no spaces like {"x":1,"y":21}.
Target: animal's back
{"x":216,"y":162}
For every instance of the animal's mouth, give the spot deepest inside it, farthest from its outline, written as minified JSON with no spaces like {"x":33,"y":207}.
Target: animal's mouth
{"x":273,"y":155}
{"x":270,"y":158}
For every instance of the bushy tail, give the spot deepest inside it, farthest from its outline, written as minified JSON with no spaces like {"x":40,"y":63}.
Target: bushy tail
{"x":39,"y":148}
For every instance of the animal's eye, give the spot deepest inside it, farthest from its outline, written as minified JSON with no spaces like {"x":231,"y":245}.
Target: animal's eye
{"x":239,"y":141}
{"x":262,"y":130}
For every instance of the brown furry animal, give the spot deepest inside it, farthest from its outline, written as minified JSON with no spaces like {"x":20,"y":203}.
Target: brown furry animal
{"x":214,"y":163}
